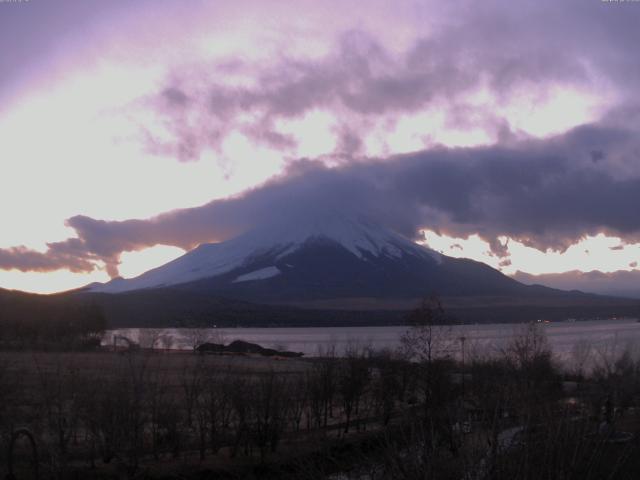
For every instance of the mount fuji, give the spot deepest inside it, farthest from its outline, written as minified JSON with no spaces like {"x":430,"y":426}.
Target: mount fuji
{"x":331,"y":269}
{"x":319,"y":259}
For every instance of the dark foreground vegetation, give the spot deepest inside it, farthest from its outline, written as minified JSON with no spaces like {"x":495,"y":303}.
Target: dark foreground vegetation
{"x":408,"y":414}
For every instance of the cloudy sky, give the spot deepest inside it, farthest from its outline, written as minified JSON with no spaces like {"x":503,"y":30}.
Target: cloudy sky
{"x":498,"y":130}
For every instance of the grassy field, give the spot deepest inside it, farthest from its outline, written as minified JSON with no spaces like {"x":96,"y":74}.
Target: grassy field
{"x":112,"y":414}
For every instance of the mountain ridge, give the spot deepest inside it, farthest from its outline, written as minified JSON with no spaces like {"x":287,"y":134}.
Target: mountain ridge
{"x":332,"y":270}
{"x":268,"y":245}
{"x":323,"y":258}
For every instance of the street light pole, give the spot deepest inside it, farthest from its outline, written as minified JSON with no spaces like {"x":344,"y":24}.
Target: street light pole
{"x":462,"y":340}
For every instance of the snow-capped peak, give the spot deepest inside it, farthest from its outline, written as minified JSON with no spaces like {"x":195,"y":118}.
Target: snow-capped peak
{"x":275,"y":241}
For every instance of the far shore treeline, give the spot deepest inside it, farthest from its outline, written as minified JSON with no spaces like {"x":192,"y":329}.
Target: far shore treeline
{"x":55,"y":322}
{"x":76,"y":320}
{"x":174,"y":308}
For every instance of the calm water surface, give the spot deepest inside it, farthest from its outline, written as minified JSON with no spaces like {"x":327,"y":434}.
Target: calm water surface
{"x":568,"y":340}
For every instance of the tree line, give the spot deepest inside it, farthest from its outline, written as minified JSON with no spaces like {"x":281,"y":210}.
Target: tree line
{"x":48,"y":322}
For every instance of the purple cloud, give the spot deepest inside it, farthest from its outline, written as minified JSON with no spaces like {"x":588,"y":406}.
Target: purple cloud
{"x":505,"y":48}
{"x":26,"y":260}
{"x":545,"y":193}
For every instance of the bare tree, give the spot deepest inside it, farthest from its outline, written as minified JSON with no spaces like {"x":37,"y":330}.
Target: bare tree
{"x":135,"y":383}
{"x":218,"y":408}
{"x":429,"y":336}
{"x":322,"y":382}
{"x":268,"y":411}
{"x":353,"y":380}
{"x":198,"y":336}
{"x":239,"y":396}
{"x":387,"y":385}
{"x":166,"y":340}
{"x":580,"y":359}
{"x":298,"y":400}
{"x":192,"y":383}
{"x":528,"y":346}
{"x":529,"y":355}
{"x":58,"y":391}
{"x":159,"y":404}
{"x":149,"y":337}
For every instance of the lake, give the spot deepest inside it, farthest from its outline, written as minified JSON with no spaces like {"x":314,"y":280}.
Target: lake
{"x":569,"y":341}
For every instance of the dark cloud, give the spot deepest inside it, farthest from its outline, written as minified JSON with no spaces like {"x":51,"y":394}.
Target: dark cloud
{"x":597,"y":155}
{"x":545,"y":193}
{"x":500,"y":249}
{"x":26,"y":260}
{"x":349,"y":143}
{"x":175,"y":97}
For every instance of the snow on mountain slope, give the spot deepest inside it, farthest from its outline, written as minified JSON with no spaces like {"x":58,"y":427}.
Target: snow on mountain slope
{"x":261,"y":274}
{"x":358,"y":236}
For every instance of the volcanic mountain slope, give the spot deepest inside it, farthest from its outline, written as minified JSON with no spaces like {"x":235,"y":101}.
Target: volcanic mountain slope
{"x":320,"y":259}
